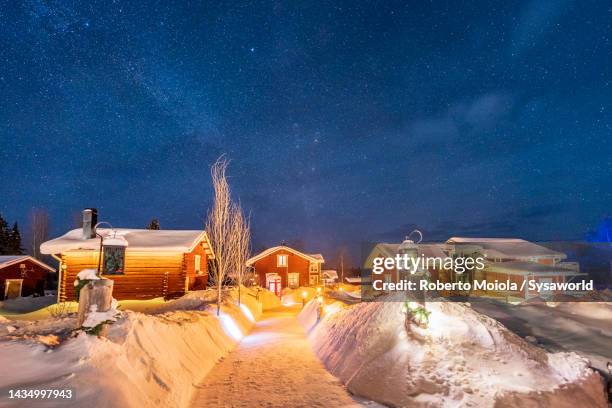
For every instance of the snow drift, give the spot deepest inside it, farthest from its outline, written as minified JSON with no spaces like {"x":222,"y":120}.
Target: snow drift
{"x":463,"y":358}
{"x":141,"y":361}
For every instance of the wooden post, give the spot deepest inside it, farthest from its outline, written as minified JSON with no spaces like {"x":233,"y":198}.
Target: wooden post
{"x":97,"y":292}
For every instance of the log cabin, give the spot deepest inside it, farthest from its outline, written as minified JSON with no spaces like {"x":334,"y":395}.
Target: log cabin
{"x":149,"y":264}
{"x":22,"y":275}
{"x":281,"y":266}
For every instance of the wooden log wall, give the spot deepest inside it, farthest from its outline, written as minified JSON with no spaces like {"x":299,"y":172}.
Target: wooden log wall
{"x":147,"y":274}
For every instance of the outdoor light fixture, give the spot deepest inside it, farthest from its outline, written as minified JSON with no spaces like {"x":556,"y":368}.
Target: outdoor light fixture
{"x":113,"y":248}
{"x":304,"y":294}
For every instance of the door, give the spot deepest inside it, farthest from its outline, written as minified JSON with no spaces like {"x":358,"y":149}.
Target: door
{"x":273,"y":283}
{"x":12,"y":288}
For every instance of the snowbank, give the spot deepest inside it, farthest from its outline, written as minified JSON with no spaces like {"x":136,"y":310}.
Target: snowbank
{"x":296,"y":296}
{"x":462,"y":358}
{"x":268,"y":299}
{"x":141,"y":361}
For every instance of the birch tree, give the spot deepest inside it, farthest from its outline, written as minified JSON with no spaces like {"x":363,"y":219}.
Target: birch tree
{"x":241,"y":236}
{"x":219,"y":227}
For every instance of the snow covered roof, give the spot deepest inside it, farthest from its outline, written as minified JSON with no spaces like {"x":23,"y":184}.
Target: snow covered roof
{"x":318,"y":258}
{"x":508,"y":247}
{"x":330,"y":273}
{"x":8,"y":260}
{"x":138,"y":240}
{"x":529,"y":268}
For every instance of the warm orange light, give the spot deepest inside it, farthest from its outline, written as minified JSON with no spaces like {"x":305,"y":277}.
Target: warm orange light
{"x":304,"y":294}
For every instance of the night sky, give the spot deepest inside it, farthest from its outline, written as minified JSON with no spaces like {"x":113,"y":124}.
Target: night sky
{"x":344,"y":122}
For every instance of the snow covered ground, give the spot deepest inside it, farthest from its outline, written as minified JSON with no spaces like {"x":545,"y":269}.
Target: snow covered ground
{"x":462,"y":359}
{"x":584,"y":327}
{"x":273,"y":366}
{"x":142,"y":360}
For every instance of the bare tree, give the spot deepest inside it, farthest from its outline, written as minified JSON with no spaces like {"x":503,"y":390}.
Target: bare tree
{"x":219,"y":228}
{"x":38,"y":230}
{"x":241,"y":236}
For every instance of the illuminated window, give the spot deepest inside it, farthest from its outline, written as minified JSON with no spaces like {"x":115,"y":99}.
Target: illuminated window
{"x":197,"y":261}
{"x":293,"y":279}
{"x":281,"y":260}
{"x":314,"y":268}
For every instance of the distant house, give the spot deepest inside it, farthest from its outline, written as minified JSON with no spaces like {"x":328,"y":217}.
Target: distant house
{"x":505,"y":259}
{"x":281,"y":266}
{"x":329,"y":276}
{"x":22,"y":275}
{"x":517,"y":260}
{"x":143,"y":264}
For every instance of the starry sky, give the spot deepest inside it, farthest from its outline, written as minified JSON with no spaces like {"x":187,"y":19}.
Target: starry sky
{"x":344,"y":121}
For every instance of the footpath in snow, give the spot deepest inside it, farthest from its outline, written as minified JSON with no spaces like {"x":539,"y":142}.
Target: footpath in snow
{"x":273,"y":366}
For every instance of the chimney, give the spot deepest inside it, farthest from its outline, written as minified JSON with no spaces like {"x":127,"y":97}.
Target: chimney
{"x":90,"y":219}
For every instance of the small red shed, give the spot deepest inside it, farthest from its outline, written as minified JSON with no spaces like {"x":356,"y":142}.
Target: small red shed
{"x":22,"y":275}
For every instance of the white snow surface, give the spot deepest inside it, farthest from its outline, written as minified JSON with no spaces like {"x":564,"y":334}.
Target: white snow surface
{"x":86,"y":274}
{"x":462,"y":359}
{"x":95,"y":318}
{"x":138,"y":240}
{"x":140,"y":361}
{"x":273,"y":366}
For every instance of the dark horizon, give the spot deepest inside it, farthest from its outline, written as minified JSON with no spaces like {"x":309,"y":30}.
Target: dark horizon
{"x":343,"y":122}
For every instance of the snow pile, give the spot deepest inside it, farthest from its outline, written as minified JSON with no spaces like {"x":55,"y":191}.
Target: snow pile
{"x":86,"y":274}
{"x":268,"y":299}
{"x":141,"y":361}
{"x":462,"y":358}
{"x":296,"y":296}
{"x":95,"y":318}
{"x":26,"y":304}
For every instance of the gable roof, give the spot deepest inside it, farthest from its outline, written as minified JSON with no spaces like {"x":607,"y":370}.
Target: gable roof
{"x":508,"y":247}
{"x":330,"y":273}
{"x":318,"y":258}
{"x":138,"y":240}
{"x":8,"y":260}
{"x":530,"y":268}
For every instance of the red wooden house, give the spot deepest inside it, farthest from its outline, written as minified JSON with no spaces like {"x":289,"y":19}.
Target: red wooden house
{"x":281,"y":266}
{"x":22,"y":275}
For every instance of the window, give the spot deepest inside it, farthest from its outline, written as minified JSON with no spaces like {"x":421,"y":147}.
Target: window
{"x":313,"y":280}
{"x":114,"y":260}
{"x":314,"y":268}
{"x":293,"y":279}
{"x":197,"y":264}
{"x":281,"y":260}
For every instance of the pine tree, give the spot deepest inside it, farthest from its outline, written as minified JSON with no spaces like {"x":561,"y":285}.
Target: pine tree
{"x":15,"y":241}
{"x":4,"y":237}
{"x":154,"y":224}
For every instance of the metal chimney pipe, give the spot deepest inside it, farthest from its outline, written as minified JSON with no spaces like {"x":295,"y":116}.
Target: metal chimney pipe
{"x":90,"y":219}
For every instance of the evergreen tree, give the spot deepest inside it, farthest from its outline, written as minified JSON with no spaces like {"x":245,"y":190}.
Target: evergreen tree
{"x":154,"y":224}
{"x":15,"y":241}
{"x":4,"y":237}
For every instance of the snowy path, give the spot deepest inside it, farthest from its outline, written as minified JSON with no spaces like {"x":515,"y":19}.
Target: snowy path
{"x":273,"y":366}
